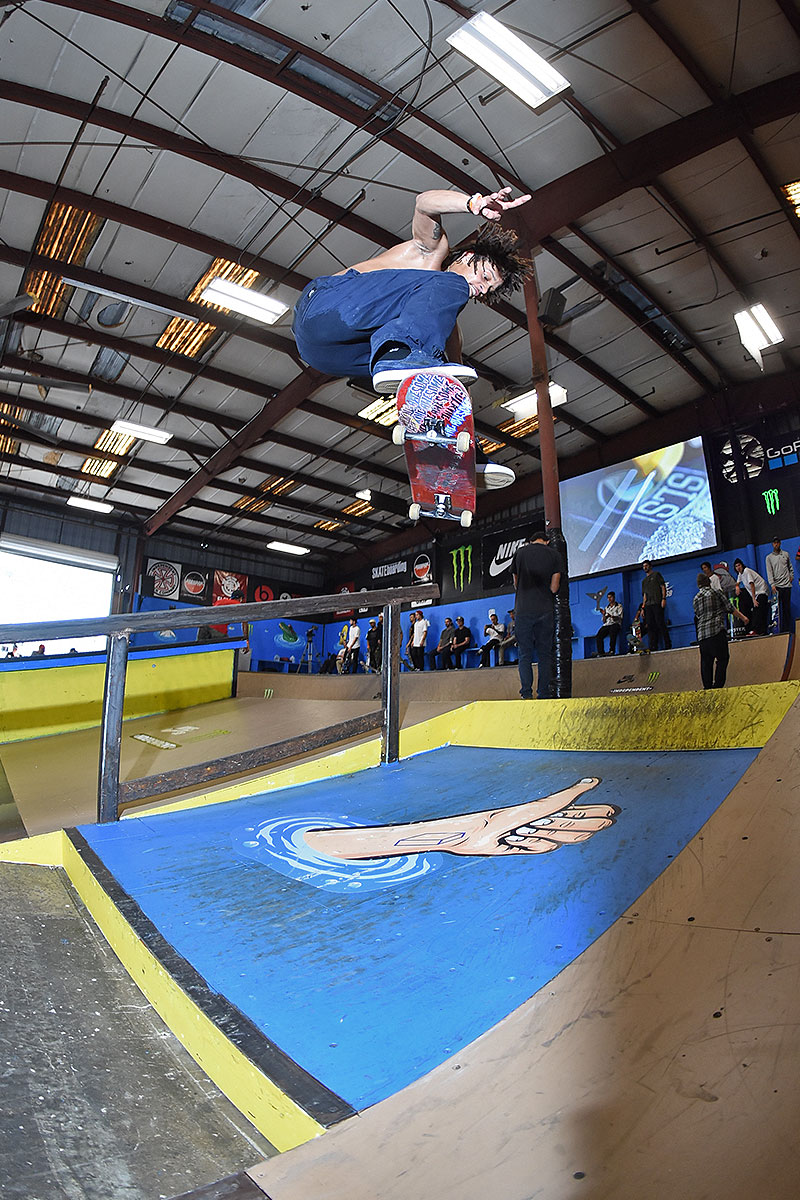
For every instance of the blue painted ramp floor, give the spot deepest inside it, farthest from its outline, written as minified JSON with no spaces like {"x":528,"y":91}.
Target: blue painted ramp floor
{"x":369,"y":972}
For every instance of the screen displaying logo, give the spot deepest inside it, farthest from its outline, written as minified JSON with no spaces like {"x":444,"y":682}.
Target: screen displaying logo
{"x":504,"y":556}
{"x":462,"y":567}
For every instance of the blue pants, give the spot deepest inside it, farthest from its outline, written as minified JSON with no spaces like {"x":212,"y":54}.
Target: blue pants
{"x":341,"y":321}
{"x":535,"y":633}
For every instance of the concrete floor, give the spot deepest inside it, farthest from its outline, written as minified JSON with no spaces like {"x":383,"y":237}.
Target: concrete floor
{"x":97,"y":1098}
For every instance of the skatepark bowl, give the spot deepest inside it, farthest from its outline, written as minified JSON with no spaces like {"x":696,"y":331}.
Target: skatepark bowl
{"x":551,"y":952}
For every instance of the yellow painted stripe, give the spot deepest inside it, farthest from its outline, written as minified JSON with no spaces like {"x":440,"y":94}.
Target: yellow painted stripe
{"x":44,"y":850}
{"x":274,"y":1114}
{"x":43,"y":701}
{"x":725,"y":719}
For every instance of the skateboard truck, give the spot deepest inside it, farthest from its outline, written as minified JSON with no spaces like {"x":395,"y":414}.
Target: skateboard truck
{"x":442,"y":511}
{"x":462,"y":441}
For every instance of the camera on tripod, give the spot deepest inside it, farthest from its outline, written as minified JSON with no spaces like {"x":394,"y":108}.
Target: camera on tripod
{"x":310,"y":633}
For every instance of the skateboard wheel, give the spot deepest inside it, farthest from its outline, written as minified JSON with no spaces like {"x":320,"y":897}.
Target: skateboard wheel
{"x":463,"y":442}
{"x":466,"y":517}
{"x":414,"y":511}
{"x":398,"y":435}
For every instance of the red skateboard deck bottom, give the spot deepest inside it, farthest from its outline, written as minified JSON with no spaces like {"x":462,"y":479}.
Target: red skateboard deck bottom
{"x":432,"y":411}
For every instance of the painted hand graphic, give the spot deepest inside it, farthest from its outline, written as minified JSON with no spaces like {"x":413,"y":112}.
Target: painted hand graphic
{"x":534,"y":827}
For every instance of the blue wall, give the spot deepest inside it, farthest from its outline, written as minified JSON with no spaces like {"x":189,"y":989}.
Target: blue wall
{"x":283,"y":644}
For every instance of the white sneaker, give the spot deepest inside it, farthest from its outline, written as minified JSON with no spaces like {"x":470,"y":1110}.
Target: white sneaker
{"x":490,"y":475}
{"x":387,"y":376}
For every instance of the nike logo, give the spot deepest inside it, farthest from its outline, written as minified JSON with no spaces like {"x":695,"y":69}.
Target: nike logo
{"x":504,"y":556}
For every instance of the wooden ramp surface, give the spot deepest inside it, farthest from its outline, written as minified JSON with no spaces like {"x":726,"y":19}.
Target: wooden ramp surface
{"x":53,"y":780}
{"x":665,"y":1061}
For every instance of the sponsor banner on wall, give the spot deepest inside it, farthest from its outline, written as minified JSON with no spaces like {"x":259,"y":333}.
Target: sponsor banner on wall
{"x":261,"y":591}
{"x":461,"y":573}
{"x":195,"y":586}
{"x":166,"y":578}
{"x":345,"y":589}
{"x":497,"y":556}
{"x":757,"y":480}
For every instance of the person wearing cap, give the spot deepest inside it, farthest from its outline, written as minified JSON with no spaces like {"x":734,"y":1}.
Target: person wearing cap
{"x":462,"y":640}
{"x":494,"y":632}
{"x":780,"y":577}
{"x":537,"y":571}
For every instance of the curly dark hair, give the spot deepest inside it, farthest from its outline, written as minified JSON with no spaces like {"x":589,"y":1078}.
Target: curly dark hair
{"x":497,"y":246}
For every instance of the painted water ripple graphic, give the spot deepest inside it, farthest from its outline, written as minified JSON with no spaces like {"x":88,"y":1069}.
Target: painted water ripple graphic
{"x":280,"y":843}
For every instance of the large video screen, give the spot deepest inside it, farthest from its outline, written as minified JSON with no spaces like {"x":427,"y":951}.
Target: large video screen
{"x":655,"y":506}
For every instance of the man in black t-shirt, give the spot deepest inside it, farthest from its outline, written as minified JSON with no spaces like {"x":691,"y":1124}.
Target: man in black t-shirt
{"x":537,"y":574}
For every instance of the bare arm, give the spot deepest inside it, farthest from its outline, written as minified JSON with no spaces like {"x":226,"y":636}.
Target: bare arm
{"x":555,"y":582}
{"x":426,"y":227}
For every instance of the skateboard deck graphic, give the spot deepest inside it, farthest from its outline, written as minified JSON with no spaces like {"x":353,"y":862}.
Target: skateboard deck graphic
{"x":436,"y":429}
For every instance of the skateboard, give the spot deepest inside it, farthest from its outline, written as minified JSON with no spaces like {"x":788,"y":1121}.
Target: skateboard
{"x":435,"y":428}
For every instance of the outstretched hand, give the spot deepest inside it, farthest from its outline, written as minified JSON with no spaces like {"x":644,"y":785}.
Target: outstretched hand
{"x":493,"y":206}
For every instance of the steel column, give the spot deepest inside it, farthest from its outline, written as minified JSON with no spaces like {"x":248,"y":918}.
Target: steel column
{"x":390,"y":684}
{"x":111,"y":728}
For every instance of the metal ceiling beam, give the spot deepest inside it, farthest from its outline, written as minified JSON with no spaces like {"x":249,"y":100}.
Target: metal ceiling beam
{"x":316,"y":93}
{"x":186,"y":525}
{"x":19,"y":460}
{"x":626,"y":307}
{"x":253,"y":432}
{"x":715,"y":93}
{"x":163,"y":139}
{"x":144,"y":296}
{"x":286,"y":501}
{"x":213,"y":417}
{"x":389,"y":503}
{"x":169,"y":231}
{"x":640,"y":162}
{"x":87,"y":333}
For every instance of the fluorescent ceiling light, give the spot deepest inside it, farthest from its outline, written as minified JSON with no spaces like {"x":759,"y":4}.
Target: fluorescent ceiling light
{"x":144,"y":432}
{"x":101,"y":291}
{"x":243,"y":300}
{"x":526,"y":405}
{"x":287,"y":548}
{"x":94,"y":505}
{"x":510,"y":60}
{"x":757,"y":331}
{"x":366,"y":494}
{"x":9,"y":307}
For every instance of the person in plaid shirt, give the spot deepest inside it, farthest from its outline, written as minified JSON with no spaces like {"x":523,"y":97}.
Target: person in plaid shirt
{"x":711,"y":610}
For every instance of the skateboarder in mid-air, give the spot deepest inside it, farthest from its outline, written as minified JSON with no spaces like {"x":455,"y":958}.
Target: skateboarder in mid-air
{"x":395,"y":315}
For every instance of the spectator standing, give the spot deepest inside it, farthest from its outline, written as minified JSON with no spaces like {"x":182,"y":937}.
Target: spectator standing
{"x":444,"y":646}
{"x":654,"y":596}
{"x":374,"y":635}
{"x":494,"y":632}
{"x":753,"y":588}
{"x":353,"y":647}
{"x":418,"y":635}
{"x":462,"y":641}
{"x":779,"y":577}
{"x":537,"y":575}
{"x":612,"y":623}
{"x":711,"y":611}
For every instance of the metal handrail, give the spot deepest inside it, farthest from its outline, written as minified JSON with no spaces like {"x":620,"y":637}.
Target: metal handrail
{"x":118,"y":630}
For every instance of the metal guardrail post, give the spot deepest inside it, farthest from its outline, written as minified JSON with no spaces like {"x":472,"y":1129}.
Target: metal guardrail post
{"x":111,"y":729}
{"x":390,"y":684}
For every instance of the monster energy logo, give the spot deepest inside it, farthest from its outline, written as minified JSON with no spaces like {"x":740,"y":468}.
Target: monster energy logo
{"x":462,"y":561}
{"x":772,"y":500}
{"x":653,"y":676}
